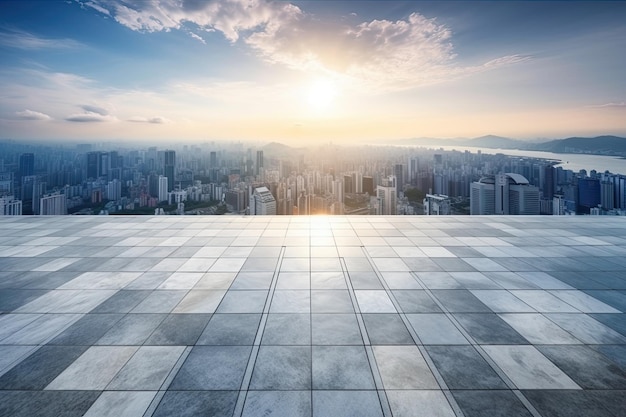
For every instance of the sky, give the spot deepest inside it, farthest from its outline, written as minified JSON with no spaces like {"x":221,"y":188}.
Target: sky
{"x":310,"y":71}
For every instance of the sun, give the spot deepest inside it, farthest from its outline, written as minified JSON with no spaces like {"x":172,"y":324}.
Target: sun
{"x":321,"y":94}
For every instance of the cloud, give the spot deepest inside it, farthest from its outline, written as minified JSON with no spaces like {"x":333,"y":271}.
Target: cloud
{"x":621,"y":104}
{"x":197,"y":37}
{"x":31,"y":115}
{"x":95,"y":109}
{"x":372,"y":55}
{"x":154,"y":120}
{"x":90,"y":117}
{"x":25,"y":40}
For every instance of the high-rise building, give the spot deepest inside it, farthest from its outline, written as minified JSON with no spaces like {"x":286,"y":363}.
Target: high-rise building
{"x":399,"y":174}
{"x":262,"y":202}
{"x":588,"y":195}
{"x":53,"y":205}
{"x":347,"y":184}
{"x":436,"y":205}
{"x":114,"y":190}
{"x":259,"y":163}
{"x":163,"y":188}
{"x":504,"y":194}
{"x":170,"y":168}
{"x":386,"y":197}
{"x":9,"y":206}
{"x":368,"y":185}
{"x":27,"y":164}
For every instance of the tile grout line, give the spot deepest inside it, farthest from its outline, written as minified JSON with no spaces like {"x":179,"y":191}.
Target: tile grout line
{"x":245,"y":384}
{"x":166,"y":383}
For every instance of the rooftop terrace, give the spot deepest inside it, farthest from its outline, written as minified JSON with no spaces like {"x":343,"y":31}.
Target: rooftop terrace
{"x":313,"y":316}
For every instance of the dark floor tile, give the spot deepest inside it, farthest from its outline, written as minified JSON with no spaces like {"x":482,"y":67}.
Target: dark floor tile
{"x":49,"y":281}
{"x":40,"y":368}
{"x":213,"y":368}
{"x":578,"y":280}
{"x":341,"y":367}
{"x":179,"y":330}
{"x":386,"y":329}
{"x":612,"y":400}
{"x":421,"y":264}
{"x":87,"y":330}
{"x":490,"y":329}
{"x":613,"y":280}
{"x":122,"y":301}
{"x":287,"y":329}
{"x":282,"y":368}
{"x":490,"y":404}
{"x":454,"y":264}
{"x":462,"y":367}
{"x":46,"y":403}
{"x":132,"y":329}
{"x":615,"y":353}
{"x":13,"y":299}
{"x":586,"y":367}
{"x":616,"y":322}
{"x":578,"y":403}
{"x":415,"y":301}
{"x":460,"y":301}
{"x":346,"y":404}
{"x":515,"y":264}
{"x":230,"y":329}
{"x":613,"y":298}
{"x":197,"y":404}
{"x":277,"y":404}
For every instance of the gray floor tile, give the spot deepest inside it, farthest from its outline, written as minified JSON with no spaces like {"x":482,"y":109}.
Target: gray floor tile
{"x":346,"y":404}
{"x":40,"y":368}
{"x":615,"y":353}
{"x":282,"y":368}
{"x":291,"y":301}
{"x":11,"y":299}
{"x":373,"y":301}
{"x":386,"y":329}
{"x":212,"y":368}
{"x":341,"y":367}
{"x":415,"y":301}
{"x":460,"y":301}
{"x":492,"y":403}
{"x":613,"y":298}
{"x":160,"y":301}
{"x":278,"y":404}
{"x":252,"y":281}
{"x":489,"y":329}
{"x":287,"y":329}
{"x":331,"y":301}
{"x":243,"y":302}
{"x":121,"y":404}
{"x":41,"y":329}
{"x":537,"y":329}
{"x":46,"y":403}
{"x":200,"y":301}
{"x":87,"y":330}
{"x":328,"y":281}
{"x":423,"y":403}
{"x":197,"y":404}
{"x":365,"y":280}
{"x":586,"y":329}
{"x":335,"y":329}
{"x":147,"y":369}
{"x":94,"y":369}
{"x":133,"y":329}
{"x":230,"y":329}
{"x":500,"y":301}
{"x":586,"y":367}
{"x":566,"y":403}
{"x":403,"y":367}
{"x":122,"y":302}
{"x":462,"y":367}
{"x":436,"y":329}
{"x":179,"y":330}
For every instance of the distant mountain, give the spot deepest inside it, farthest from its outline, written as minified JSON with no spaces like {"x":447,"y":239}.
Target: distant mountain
{"x":604,"y":145}
{"x":491,"y":141}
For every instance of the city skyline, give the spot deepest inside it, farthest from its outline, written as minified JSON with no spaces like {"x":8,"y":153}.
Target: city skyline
{"x":310,"y":71}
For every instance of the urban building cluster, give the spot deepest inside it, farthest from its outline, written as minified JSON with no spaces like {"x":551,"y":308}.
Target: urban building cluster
{"x":216,"y":178}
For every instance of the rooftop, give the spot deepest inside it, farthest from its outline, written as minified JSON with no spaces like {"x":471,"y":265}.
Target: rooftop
{"x":313,"y":316}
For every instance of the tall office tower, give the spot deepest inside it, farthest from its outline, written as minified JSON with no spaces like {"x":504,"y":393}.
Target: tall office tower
{"x":368,"y":185}
{"x":27,"y":164}
{"x":347,"y":184}
{"x":6,"y":183}
{"x":258,"y":168}
{"x":399,"y":174}
{"x":412,"y":167}
{"x":114,"y":190}
{"x":213,"y":160}
{"x":338,"y":191}
{"x":163,"y":188}
{"x":504,"y":194}
{"x":436,"y":205}
{"x":262,"y":202}
{"x":607,"y":194}
{"x":558,"y":205}
{"x":153,"y":184}
{"x":386,"y":198}
{"x":588,"y":195}
{"x":170,"y":168}
{"x":549,"y":182}
{"x":53,"y":205}
{"x":9,"y":206}
{"x":93,"y":165}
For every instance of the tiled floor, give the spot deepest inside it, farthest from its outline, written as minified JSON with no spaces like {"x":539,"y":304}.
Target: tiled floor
{"x":313,"y":316}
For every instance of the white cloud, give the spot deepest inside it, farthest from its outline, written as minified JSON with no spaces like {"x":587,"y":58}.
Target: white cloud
{"x":608,"y":105}
{"x":197,"y":37}
{"x":31,"y":115}
{"x":90,"y":117}
{"x":95,"y":109}
{"x":373,"y":55}
{"x":25,"y":40}
{"x":158,"y":120}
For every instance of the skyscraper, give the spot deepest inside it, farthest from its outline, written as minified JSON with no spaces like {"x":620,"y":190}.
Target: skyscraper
{"x":259,"y":163}
{"x":504,"y":194}
{"x":262,"y":202}
{"x":53,"y":205}
{"x":386,"y":197}
{"x":170,"y":168}
{"x":27,"y":164}
{"x":163,"y":188}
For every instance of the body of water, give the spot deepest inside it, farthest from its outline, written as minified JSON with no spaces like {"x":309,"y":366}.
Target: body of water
{"x":573,"y":161}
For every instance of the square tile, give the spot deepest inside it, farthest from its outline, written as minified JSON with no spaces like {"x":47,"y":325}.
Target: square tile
{"x":212,"y":368}
{"x":282,"y":368}
{"x":341,"y":367}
